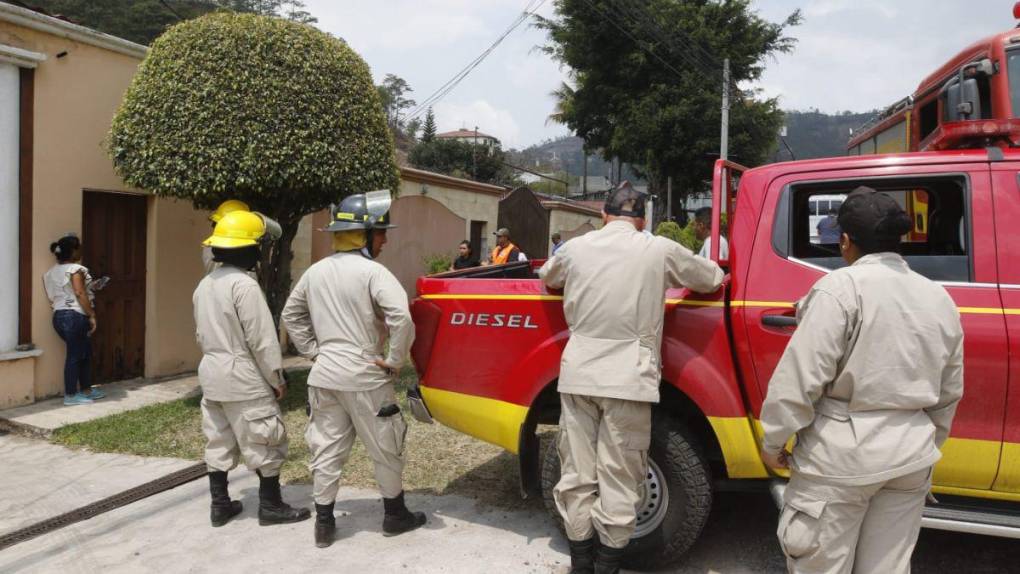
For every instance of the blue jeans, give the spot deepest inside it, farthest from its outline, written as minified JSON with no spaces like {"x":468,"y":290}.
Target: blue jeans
{"x":73,"y":328}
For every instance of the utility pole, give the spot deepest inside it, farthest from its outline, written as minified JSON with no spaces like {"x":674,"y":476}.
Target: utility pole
{"x":474,"y":156}
{"x":724,"y":136}
{"x":669,"y":198}
{"x":584,"y":178}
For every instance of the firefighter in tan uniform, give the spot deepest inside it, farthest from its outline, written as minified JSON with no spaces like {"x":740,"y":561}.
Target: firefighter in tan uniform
{"x":614,"y":283}
{"x":241,"y":372}
{"x":341,"y":314}
{"x":869,"y":385}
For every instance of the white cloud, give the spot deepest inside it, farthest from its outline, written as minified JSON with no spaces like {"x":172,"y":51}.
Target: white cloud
{"x":480,"y":113}
{"x":864,"y":54}
{"x":853,"y":54}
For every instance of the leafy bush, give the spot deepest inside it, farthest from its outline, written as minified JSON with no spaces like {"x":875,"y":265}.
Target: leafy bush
{"x":278,"y":114}
{"x":684,"y":236}
{"x":436,"y":263}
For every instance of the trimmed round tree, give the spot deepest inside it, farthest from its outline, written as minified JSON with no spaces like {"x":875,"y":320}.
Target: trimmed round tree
{"x":237,"y":106}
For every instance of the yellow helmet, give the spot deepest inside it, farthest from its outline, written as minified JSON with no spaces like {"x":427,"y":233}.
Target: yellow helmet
{"x":226,"y":207}
{"x":237,"y":229}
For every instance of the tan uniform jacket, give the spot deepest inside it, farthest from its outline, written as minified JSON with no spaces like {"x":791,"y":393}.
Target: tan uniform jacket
{"x":241,"y":352}
{"x":614,"y":283}
{"x":872,"y":376}
{"x":340,"y":314}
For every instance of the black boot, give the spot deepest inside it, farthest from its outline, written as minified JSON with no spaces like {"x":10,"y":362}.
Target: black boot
{"x":325,"y":525}
{"x":398,"y":519}
{"x":272,"y":508}
{"x":608,"y":561}
{"x":223,"y":509}
{"x":582,"y":556}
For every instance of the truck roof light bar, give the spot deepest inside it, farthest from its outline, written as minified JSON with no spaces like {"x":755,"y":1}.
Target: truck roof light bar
{"x":973,"y":133}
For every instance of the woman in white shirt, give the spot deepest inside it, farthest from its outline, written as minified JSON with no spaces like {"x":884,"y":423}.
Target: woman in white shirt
{"x":68,"y":286}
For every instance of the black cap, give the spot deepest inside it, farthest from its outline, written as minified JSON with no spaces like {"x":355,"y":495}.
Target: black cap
{"x":623,"y":197}
{"x":873,"y":220}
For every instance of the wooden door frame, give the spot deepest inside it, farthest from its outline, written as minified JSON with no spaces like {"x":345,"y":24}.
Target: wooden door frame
{"x":144,"y":199}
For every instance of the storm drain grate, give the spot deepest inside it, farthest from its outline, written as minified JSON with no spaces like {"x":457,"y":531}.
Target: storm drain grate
{"x":114,"y":502}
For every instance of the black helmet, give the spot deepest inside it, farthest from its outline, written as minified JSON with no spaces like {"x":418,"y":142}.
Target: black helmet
{"x":361,"y":211}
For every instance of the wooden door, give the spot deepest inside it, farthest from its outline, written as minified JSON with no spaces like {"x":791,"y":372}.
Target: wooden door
{"x":528,"y":222}
{"x":113,"y":245}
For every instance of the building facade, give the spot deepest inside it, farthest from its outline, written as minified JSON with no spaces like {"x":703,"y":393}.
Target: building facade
{"x":60,"y":85}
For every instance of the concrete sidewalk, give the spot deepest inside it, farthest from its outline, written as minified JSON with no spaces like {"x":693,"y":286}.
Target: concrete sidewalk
{"x":170,"y":532}
{"x":44,"y":417}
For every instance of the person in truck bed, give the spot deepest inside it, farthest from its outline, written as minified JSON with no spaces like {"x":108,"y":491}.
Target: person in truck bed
{"x":869,"y":384}
{"x":614,"y":283}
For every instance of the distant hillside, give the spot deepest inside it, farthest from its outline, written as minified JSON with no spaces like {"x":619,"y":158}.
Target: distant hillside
{"x":813,"y":134}
{"x":810,"y":134}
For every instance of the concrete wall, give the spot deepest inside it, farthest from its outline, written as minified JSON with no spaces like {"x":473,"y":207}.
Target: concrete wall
{"x":76,"y":97}
{"x":469,"y":200}
{"x":571,"y":224}
{"x":16,"y":377}
{"x":425,"y":227}
{"x":174,"y":268}
{"x":466,"y":201}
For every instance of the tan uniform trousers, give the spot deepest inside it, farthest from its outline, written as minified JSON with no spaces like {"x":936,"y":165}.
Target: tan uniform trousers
{"x":861,"y":529}
{"x":603,"y":446}
{"x":253,"y":429}
{"x":337,"y":418}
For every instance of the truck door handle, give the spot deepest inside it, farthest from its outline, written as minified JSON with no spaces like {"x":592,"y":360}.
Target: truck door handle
{"x":779,"y":320}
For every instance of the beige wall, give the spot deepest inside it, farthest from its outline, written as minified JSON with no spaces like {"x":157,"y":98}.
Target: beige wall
{"x":173,"y":269}
{"x":468,"y":205}
{"x":566,"y":222}
{"x":16,"y":377}
{"x":76,"y":97}
{"x":425,"y":227}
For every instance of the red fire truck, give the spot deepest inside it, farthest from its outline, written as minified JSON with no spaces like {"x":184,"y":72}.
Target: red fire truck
{"x":982,"y":82}
{"x":489,"y":341}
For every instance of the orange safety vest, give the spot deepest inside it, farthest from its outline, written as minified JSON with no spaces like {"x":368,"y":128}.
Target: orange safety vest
{"x":500,"y":257}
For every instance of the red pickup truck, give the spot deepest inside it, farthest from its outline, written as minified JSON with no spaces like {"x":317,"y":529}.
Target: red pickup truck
{"x":489,"y":340}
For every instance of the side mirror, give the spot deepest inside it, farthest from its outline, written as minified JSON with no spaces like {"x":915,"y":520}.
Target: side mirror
{"x":969,"y":107}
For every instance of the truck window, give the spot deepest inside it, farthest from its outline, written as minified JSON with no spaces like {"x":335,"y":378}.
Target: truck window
{"x":1013,"y":70}
{"x":937,"y":247}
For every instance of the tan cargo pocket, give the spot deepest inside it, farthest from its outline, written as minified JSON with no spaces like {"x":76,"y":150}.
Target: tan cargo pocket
{"x":265,"y":425}
{"x":392,"y":433}
{"x":798,"y":525}
{"x":637,"y":441}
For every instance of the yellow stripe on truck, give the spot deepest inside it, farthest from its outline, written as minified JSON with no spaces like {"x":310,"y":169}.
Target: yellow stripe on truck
{"x":685,"y":302}
{"x":739,"y":447}
{"x":496,"y":422}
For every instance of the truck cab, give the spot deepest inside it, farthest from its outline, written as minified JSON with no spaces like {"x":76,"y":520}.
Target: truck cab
{"x":489,"y":340}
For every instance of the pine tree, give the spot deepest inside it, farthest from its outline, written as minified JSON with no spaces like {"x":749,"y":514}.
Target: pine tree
{"x":428,"y":132}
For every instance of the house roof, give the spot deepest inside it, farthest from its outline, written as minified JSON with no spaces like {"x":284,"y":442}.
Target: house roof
{"x":37,"y":20}
{"x":567,"y":205}
{"x":465,"y":134}
{"x":422,"y":176}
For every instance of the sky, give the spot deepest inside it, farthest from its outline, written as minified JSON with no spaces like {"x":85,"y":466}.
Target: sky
{"x":854,"y":55}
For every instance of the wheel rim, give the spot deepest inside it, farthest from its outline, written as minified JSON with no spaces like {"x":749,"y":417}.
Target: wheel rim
{"x":651,"y":510}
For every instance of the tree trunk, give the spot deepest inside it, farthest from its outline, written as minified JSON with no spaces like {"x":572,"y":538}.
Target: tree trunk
{"x":274,"y":273}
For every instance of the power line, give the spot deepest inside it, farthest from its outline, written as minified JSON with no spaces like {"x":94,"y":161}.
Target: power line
{"x":529,"y":10}
{"x":633,"y":39}
{"x":643,"y":20}
{"x":172,"y":11}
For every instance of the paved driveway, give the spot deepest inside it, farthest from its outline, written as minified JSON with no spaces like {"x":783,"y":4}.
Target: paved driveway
{"x":170,"y":532}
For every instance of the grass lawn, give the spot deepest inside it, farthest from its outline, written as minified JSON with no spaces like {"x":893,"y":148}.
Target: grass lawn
{"x":439,"y":460}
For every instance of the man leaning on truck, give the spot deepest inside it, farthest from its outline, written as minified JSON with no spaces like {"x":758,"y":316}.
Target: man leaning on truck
{"x":869,"y":384}
{"x":614,"y":283}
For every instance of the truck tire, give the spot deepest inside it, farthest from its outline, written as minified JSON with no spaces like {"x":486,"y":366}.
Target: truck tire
{"x":668,"y":522}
